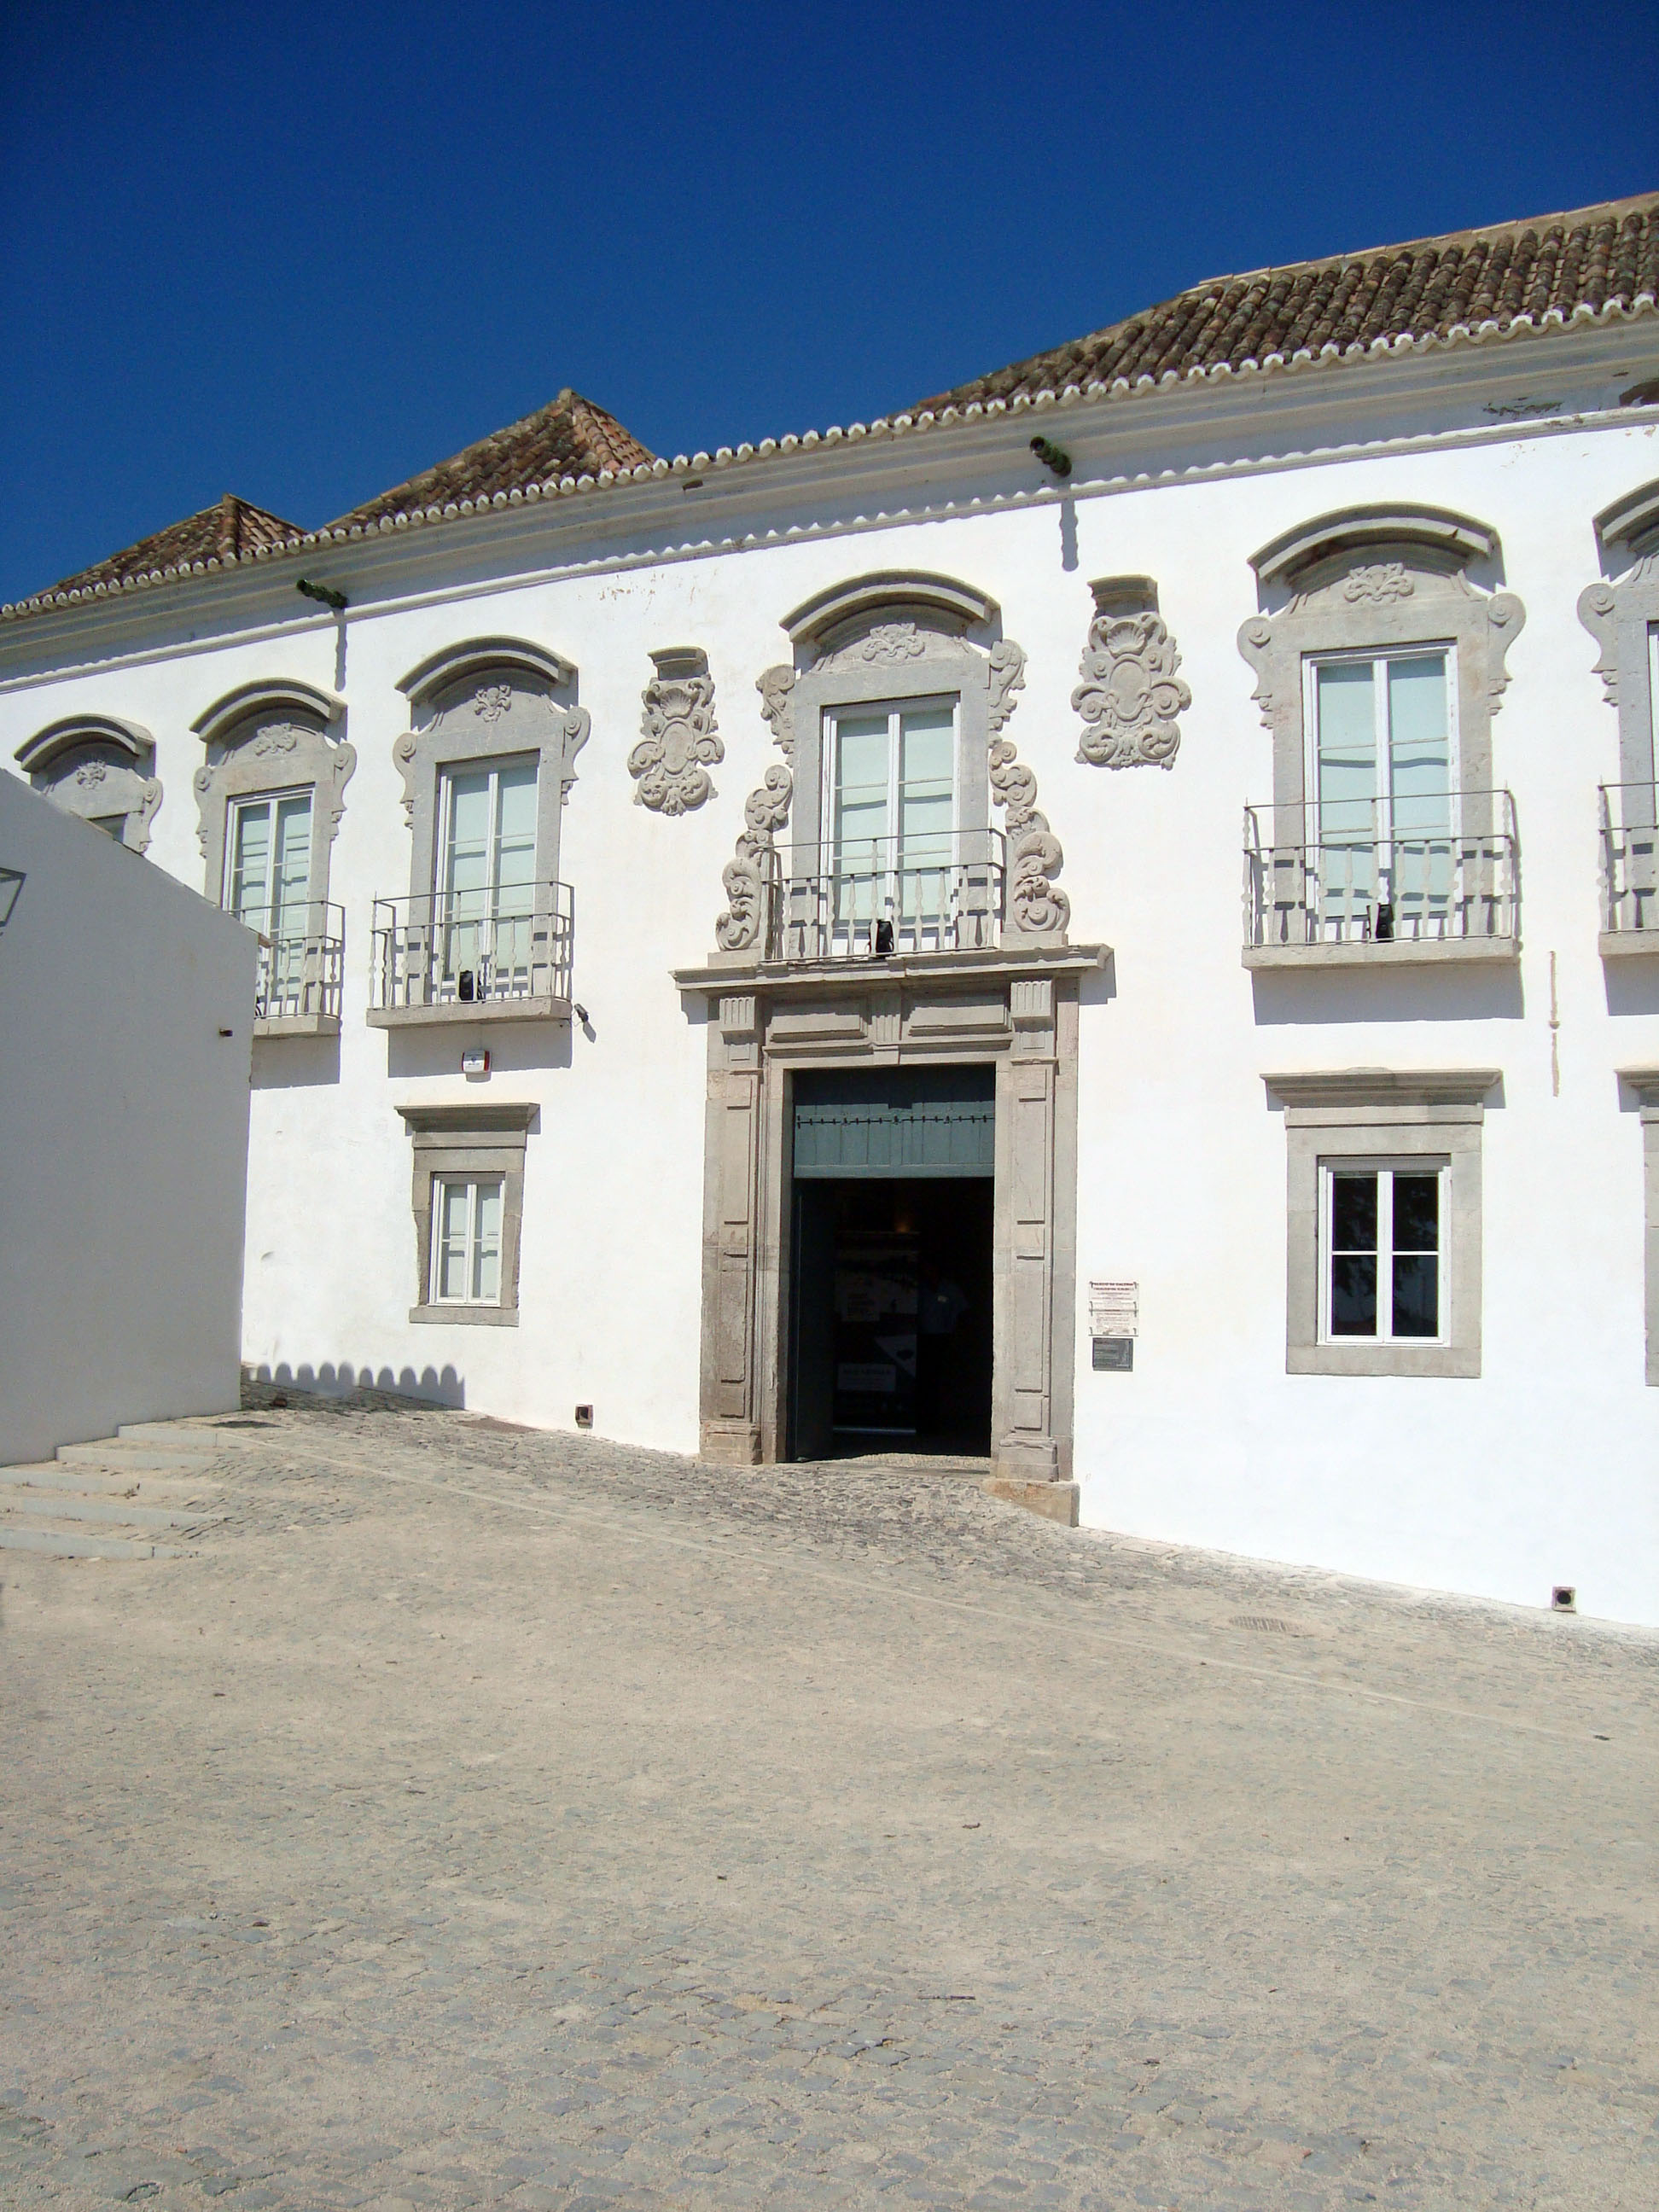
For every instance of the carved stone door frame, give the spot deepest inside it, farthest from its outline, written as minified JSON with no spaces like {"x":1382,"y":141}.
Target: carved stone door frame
{"x":1015,"y":1011}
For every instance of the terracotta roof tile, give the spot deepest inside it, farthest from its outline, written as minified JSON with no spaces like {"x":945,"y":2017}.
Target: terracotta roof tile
{"x":223,"y":533}
{"x":569,"y":437}
{"x":1591,"y":258}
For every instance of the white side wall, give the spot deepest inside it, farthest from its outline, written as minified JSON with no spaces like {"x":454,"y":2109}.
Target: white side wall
{"x":124,"y":1116}
{"x":1544,"y":1469}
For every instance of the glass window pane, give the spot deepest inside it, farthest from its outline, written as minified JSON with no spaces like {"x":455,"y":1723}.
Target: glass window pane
{"x":1354,"y":1294}
{"x":466,"y":855}
{"x":453,"y":1199}
{"x":1417,"y":1213}
{"x":250,"y":873}
{"x":1345,"y":709}
{"x":487,"y":1244}
{"x":1353,"y":1214}
{"x":1420,"y":744}
{"x":927,"y":749}
{"x":515,"y":867}
{"x":1416,"y":1294}
{"x":292,"y":886}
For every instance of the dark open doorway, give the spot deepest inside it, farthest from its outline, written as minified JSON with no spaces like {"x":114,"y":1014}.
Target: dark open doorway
{"x":890,"y":1308}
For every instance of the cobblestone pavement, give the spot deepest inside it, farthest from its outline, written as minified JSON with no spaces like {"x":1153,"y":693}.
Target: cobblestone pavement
{"x":481,"y":1817}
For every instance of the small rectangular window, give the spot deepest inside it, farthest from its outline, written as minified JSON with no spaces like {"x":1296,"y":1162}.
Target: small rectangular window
{"x":466,"y":1241}
{"x":1381,"y":1276}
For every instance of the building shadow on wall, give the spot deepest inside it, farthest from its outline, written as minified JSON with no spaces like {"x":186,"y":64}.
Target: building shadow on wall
{"x":1632,"y":985}
{"x":512,"y":1048}
{"x":343,"y":1378}
{"x":1351,"y":994}
{"x":296,"y":1063}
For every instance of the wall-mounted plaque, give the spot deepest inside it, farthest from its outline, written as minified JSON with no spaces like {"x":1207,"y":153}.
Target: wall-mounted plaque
{"x":1114,"y":1355}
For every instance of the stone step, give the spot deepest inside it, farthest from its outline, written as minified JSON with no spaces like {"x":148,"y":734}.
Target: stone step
{"x":86,"y":1482}
{"x":195,"y":1436}
{"x":71,"y":1544}
{"x":61,"y":1505}
{"x":140,"y":1459}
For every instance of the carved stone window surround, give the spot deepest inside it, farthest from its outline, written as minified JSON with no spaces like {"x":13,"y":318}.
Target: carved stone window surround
{"x":1361,"y":1114}
{"x":1015,"y":1009}
{"x":1381,"y":596}
{"x":1621,"y":613}
{"x":891,"y":639}
{"x":97,"y":768}
{"x":471,"y":1141}
{"x":488,"y":699}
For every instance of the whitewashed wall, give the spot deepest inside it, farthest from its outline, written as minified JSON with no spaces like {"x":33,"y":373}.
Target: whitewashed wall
{"x":124,"y":1114}
{"x":1544,"y":1470}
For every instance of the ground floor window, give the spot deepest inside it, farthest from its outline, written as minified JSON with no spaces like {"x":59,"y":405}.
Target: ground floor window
{"x":1383,"y":1230}
{"x":1382,"y":1257}
{"x":466,"y":1242}
{"x":469,"y":1210}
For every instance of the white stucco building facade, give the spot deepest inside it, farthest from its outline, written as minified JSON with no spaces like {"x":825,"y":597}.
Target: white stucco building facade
{"x":1080,"y":924}
{"x":125,"y":1022}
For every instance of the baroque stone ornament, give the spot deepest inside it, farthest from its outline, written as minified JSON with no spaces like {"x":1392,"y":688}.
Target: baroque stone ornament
{"x":670,"y":765}
{"x":275,"y":738}
{"x":1130,"y":694}
{"x":1378,"y":581}
{"x":1035,"y":857}
{"x":765,"y":811}
{"x":491,"y":700}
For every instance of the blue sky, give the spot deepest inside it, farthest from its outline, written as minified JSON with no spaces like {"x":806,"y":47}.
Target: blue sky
{"x":299,"y":253}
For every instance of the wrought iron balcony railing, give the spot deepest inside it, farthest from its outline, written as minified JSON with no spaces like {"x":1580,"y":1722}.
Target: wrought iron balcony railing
{"x":1429,"y":870}
{"x":1630,"y":860}
{"x":508,"y":951}
{"x":301,"y":968}
{"x":937,"y":892}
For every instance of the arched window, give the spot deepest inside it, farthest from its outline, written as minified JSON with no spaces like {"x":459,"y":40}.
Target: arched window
{"x":1378,"y":672}
{"x":101,"y":769}
{"x":271,"y":793}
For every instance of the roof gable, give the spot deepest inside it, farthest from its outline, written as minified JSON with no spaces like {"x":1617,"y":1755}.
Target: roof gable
{"x":221,"y":533}
{"x":568,"y":437}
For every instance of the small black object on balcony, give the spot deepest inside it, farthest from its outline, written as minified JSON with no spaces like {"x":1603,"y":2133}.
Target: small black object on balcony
{"x":1384,"y":931}
{"x":464,"y":990}
{"x":883,"y":941}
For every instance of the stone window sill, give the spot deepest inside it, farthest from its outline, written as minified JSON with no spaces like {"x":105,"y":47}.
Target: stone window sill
{"x":1628,"y":944}
{"x":472,"y":1011}
{"x":458,"y":1317}
{"x":1459,"y":951}
{"x":1420,"y":1360}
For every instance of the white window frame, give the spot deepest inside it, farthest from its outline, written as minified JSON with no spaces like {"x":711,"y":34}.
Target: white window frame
{"x":1385,"y":1168}
{"x":448,"y":771}
{"x":473,"y":1185}
{"x":894,"y":709}
{"x":1379,"y":658}
{"x":244,"y":802}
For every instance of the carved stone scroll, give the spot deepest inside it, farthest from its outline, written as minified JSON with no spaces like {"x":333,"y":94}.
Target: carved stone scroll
{"x":1130,"y":694}
{"x":1035,"y":907}
{"x":765,"y":811}
{"x":670,"y":765}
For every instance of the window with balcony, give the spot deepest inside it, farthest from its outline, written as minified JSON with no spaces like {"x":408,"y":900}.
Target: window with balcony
{"x":1386,"y":837}
{"x":1621,"y":612}
{"x":486,"y":930}
{"x":270,"y":794}
{"x":894,"y":717}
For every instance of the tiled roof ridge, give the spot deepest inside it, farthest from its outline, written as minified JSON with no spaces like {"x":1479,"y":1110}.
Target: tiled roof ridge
{"x":1488,"y":279}
{"x":569,"y":433}
{"x":950,"y":410}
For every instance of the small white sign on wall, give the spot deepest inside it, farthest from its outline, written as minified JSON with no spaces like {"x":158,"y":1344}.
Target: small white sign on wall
{"x":1113,"y":1324}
